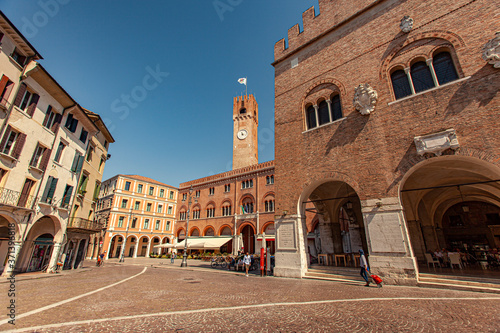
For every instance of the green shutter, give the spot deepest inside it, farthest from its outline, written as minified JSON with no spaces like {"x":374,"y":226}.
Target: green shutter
{"x":67,"y":194}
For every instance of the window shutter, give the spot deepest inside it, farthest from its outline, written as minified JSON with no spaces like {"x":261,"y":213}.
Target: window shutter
{"x":57,"y":123}
{"x":74,"y":166}
{"x":96,"y":191}
{"x":45,"y":159}
{"x":18,"y":148}
{"x":80,"y":163}
{"x":47,"y":116}
{"x":47,"y":188}
{"x":33,"y":103}
{"x":67,"y":195}
{"x":5,"y":137}
{"x":3,"y":83}
{"x":20,"y":94}
{"x":52,"y":189}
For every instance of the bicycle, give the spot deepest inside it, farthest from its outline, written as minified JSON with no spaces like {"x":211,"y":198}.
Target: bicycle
{"x":218,"y":261}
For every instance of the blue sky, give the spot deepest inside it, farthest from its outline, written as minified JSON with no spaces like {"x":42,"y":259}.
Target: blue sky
{"x":163,"y":73}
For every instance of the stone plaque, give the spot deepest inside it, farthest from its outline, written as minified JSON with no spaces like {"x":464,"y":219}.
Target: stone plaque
{"x":385,"y":232}
{"x":286,"y":236}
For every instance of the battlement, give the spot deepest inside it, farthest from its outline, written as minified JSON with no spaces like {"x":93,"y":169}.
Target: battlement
{"x":332,"y":13}
{"x":246,"y":103}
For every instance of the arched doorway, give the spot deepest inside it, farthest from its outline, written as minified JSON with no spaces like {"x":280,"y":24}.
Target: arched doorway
{"x":334,"y":223}
{"x":248,"y":237}
{"x":116,"y":246}
{"x":131,"y":246}
{"x":42,"y":251}
{"x":143,"y":247}
{"x":452,"y":203}
{"x":79,"y":253}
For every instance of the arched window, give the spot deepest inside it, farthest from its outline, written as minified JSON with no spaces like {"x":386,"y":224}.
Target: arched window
{"x":210,"y":232}
{"x":336,"y":107}
{"x":400,"y":84}
{"x":444,"y":68}
{"x":226,"y":232}
{"x":226,"y":209}
{"x":323,"y":113}
{"x":311,"y":117}
{"x":247,"y":206}
{"x":243,"y":111}
{"x":196,"y":213}
{"x":211,"y":211}
{"x":421,"y":77}
{"x":195,"y":233}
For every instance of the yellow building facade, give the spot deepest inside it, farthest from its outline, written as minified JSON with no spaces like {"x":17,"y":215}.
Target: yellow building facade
{"x":138,"y":214}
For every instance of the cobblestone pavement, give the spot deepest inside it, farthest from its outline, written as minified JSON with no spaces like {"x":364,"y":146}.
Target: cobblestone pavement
{"x":169,"y":298}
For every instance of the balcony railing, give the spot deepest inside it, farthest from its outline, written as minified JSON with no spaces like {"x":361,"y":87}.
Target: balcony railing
{"x":84,"y":224}
{"x":14,"y":198}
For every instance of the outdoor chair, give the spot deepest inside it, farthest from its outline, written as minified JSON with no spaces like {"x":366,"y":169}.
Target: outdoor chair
{"x":432,"y":261}
{"x":455,"y":260}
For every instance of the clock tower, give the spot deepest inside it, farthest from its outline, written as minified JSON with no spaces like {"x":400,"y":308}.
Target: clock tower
{"x":246,"y":122}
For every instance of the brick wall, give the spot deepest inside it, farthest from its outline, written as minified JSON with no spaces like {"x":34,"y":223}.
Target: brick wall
{"x":345,"y":47}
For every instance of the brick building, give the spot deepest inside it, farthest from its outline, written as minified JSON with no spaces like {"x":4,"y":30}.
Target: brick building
{"x":138,"y":213}
{"x":236,"y":207}
{"x":387,"y":133}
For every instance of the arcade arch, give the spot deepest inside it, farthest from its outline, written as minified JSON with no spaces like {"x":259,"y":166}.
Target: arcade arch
{"x":452,"y":202}
{"x":334,"y":222}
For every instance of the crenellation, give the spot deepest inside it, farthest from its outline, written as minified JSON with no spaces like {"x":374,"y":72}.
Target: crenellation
{"x":332,"y":13}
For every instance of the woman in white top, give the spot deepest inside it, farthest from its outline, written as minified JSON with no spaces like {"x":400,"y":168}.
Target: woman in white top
{"x":247,"y":260}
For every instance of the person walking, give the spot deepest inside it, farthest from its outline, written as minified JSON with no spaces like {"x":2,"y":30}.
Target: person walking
{"x":364,"y":267}
{"x":101,"y":256}
{"x":247,"y":260}
{"x":172,"y":257}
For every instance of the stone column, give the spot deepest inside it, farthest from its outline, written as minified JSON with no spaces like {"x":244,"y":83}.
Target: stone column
{"x":73,"y":260}
{"x":149,"y":246}
{"x":136,"y":248}
{"x":316,"y":113}
{"x":12,"y":256}
{"x":389,"y":249}
{"x":407,"y":72}
{"x":109,"y":245}
{"x":54,"y":258}
{"x":330,"y":116}
{"x":433,"y":73}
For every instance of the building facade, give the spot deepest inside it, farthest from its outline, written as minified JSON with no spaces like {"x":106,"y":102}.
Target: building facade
{"x":43,"y":135}
{"x":138,"y":214}
{"x":386,"y":133}
{"x":235,"y":207}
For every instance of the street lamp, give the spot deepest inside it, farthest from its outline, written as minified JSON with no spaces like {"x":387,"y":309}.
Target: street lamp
{"x":122,"y":252}
{"x":184,"y":256}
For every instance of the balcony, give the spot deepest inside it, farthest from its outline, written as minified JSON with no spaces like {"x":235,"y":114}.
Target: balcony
{"x":81,"y":225}
{"x":14,"y":198}
{"x":4,"y":104}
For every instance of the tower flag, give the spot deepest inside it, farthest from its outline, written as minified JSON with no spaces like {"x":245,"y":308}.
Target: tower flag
{"x":243,"y":80}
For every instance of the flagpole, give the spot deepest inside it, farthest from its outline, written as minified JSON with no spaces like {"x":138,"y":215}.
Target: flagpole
{"x":246,"y":87}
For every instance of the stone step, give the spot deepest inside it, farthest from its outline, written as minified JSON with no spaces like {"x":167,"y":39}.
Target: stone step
{"x":464,"y":279}
{"x":333,"y":276}
{"x":465,"y":283}
{"x":454,"y":286}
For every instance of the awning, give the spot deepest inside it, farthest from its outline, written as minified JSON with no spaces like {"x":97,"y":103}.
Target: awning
{"x":208,"y":243}
{"x":164,"y":246}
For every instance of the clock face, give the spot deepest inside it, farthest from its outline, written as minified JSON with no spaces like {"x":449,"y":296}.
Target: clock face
{"x":242,"y":134}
